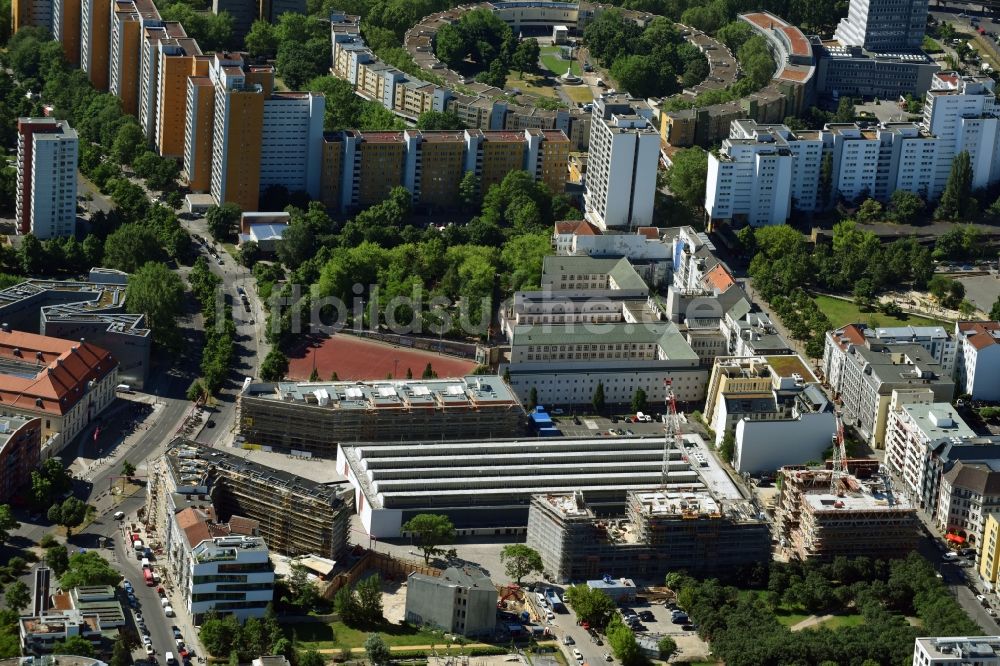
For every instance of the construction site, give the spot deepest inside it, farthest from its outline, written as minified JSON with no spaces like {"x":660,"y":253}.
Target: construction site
{"x":296,"y":516}
{"x":314,"y":417}
{"x":662,"y":531}
{"x":823,"y":513}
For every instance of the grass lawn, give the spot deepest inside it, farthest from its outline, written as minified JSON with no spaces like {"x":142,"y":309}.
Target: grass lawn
{"x":847,"y":620}
{"x":845,"y":312}
{"x":552,"y":60}
{"x":338,"y":635}
{"x":231,"y":249}
{"x":579,"y":94}
{"x":531,"y":84}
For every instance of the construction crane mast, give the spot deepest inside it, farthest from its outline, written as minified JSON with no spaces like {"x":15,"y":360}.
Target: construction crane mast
{"x":839,"y":463}
{"x":671,"y":428}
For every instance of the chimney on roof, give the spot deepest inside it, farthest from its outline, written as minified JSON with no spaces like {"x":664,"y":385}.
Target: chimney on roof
{"x":6,"y":327}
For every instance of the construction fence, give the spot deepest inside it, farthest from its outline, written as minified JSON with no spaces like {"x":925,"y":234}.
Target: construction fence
{"x":388,"y":567}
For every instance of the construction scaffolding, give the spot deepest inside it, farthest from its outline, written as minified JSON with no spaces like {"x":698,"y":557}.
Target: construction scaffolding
{"x":823,"y":513}
{"x":295,"y":516}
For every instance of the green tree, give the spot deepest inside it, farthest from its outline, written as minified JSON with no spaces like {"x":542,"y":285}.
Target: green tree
{"x":667,"y":646}
{"x":262,"y":40}
{"x":598,"y":398}
{"x":131,"y":246}
{"x":129,"y":142}
{"x":428,"y":372}
{"x":905,"y":207}
{"x":956,"y":201}
{"x":430,"y":531}
{"x":297,"y":243}
{"x":7,"y":523}
{"x":345,"y":604}
{"x":995,"y":310}
{"x":17,"y":596}
{"x":31,"y":255}
{"x":525,"y":58}
{"x":623,"y":643}
{"x":728,"y":447}
{"x":158,"y":293}
{"x":468,"y":191}
{"x":222,"y":221}
{"x":57,"y":559}
{"x":369,"y":591}
{"x":532,"y":398}
{"x":869,"y":212}
{"x":310,"y":658}
{"x":520,"y":560}
{"x":440,"y":120}
{"x":590,"y":605}
{"x":128,"y":469}
{"x":639,"y":400}
{"x":249,"y":254}
{"x":275,"y":366}
{"x":377,"y":650}
{"x":120,"y":654}
{"x":845,"y":111}
{"x":69,"y":514}
{"x":687,"y":175}
{"x":88,"y":568}
{"x":74,"y":645}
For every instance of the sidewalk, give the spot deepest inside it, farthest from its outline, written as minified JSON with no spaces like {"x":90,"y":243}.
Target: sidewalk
{"x":442,"y":646}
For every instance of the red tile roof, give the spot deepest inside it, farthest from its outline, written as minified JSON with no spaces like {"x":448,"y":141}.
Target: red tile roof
{"x":718,"y":278}
{"x":651,"y":233}
{"x":577,"y":227}
{"x":981,"y":334}
{"x":43,"y":374}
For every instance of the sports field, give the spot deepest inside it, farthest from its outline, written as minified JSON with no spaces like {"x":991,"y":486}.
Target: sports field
{"x":356,"y":358}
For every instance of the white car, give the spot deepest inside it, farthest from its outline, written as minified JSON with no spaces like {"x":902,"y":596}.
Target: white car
{"x":146,"y":640}
{"x":168,"y":611}
{"x":578,"y":655}
{"x":149,"y":649}
{"x":980,"y":598}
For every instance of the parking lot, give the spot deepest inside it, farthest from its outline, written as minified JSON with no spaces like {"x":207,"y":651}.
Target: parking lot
{"x":690,"y":647}
{"x":601,"y":426}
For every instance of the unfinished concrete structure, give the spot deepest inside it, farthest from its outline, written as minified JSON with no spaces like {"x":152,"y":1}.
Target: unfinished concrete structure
{"x":662,"y":531}
{"x":295,"y":516}
{"x":820,"y":517}
{"x":315,"y":416}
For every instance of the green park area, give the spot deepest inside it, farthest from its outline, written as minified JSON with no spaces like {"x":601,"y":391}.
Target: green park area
{"x":531,"y":84}
{"x":579,"y":94}
{"x":841,"y":312}
{"x":553,"y":59}
{"x":337,"y":635}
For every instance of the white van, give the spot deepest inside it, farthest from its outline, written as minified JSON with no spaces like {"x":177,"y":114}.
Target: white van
{"x":146,"y":564}
{"x":171,"y":661}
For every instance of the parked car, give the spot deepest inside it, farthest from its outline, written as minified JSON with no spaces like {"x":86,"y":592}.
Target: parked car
{"x":568,"y":640}
{"x":682,"y":618}
{"x":980,"y":598}
{"x":578,"y":655}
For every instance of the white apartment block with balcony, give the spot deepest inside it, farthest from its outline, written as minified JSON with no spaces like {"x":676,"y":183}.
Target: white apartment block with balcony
{"x":977,"y":359}
{"x":621,"y":169}
{"x":765,"y":172}
{"x":914,"y":425}
{"x":47,"y":156}
{"x":292,"y":141}
{"x":758,"y":172}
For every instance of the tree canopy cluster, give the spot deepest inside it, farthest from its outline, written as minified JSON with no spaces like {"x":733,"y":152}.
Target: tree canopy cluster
{"x":345,"y":110}
{"x":856,"y":262}
{"x":655,"y":61}
{"x":214,"y":32}
{"x":223,"y":635}
{"x":88,"y":568}
{"x":709,"y":15}
{"x":362,"y":605}
{"x":744,"y":629}
{"x":220,"y":335}
{"x":482,"y":38}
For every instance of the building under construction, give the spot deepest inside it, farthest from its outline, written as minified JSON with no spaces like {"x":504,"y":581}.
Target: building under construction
{"x":315,"y":416}
{"x":662,"y":531}
{"x":821,"y":514}
{"x":295,"y":516}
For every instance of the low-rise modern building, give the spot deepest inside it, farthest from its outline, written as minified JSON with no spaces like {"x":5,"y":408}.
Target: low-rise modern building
{"x":957,"y":651}
{"x":222,"y":568}
{"x":317,"y":416}
{"x":461,"y":601}
{"x":818,"y":517}
{"x":488,"y":486}
{"x":264,"y":229}
{"x":977,"y":360}
{"x":864,"y":372}
{"x":39,"y":633}
{"x":63,"y":383}
{"x":20,"y":448}
{"x":293,"y":515}
{"x":92,"y":310}
{"x":661,"y":531}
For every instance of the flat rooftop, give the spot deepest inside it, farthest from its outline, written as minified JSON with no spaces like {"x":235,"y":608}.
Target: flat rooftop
{"x":938,"y":420}
{"x":473,"y":391}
